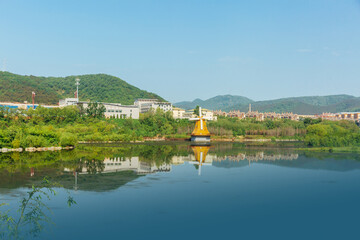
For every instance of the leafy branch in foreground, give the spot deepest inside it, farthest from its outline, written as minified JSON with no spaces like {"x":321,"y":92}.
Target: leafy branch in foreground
{"x":33,"y":212}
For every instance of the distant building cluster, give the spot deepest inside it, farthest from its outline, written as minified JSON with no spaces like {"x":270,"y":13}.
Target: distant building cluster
{"x":353,"y":116}
{"x":257,"y":115}
{"x":179,"y":113}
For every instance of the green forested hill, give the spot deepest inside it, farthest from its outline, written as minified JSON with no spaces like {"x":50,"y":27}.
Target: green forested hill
{"x":215,"y":103}
{"x":299,"y":105}
{"x":94,"y":87}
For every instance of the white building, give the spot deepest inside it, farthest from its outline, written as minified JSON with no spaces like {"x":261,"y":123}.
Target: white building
{"x":68,"y":102}
{"x":178,"y":113}
{"x":208,"y":114}
{"x":146,"y":104}
{"x":116,"y":110}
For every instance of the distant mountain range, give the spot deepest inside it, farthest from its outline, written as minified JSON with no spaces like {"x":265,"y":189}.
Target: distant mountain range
{"x":299,"y":105}
{"x":94,"y":87}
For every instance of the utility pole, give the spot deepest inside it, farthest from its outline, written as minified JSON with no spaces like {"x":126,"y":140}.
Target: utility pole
{"x":77,"y":83}
{"x":33,"y":99}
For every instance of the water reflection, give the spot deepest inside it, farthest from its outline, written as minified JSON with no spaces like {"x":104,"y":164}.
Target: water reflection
{"x":200,"y":153}
{"x":33,"y":212}
{"x":107,"y":168}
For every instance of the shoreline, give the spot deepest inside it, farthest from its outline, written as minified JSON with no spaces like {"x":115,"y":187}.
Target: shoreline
{"x":163,"y":140}
{"x":34,"y":149}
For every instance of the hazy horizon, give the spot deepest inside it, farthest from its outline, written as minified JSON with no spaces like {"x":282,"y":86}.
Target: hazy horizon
{"x":185,"y":50}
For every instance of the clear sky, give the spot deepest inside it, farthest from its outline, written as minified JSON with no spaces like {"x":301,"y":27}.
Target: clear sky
{"x":184,"y":50}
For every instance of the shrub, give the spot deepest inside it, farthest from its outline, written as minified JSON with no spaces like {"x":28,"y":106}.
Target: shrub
{"x":33,"y":141}
{"x":16,"y":143}
{"x":68,"y":139}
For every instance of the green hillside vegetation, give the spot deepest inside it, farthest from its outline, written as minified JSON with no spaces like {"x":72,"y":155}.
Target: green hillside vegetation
{"x":299,"y":105}
{"x":93,"y":87}
{"x":215,"y":103}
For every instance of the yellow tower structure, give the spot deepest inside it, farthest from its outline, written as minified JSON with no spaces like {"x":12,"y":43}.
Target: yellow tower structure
{"x":200,"y":133}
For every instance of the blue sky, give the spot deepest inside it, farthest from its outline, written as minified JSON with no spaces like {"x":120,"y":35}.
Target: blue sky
{"x":184,"y":50}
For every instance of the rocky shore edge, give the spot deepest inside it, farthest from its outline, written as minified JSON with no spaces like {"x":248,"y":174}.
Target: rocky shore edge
{"x":34,"y":149}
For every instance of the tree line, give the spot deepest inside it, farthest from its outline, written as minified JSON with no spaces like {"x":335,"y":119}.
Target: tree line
{"x":67,"y":126}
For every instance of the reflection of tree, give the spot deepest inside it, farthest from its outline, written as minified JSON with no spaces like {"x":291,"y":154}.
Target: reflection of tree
{"x":33,"y":213}
{"x":158,"y":154}
{"x":92,"y":166}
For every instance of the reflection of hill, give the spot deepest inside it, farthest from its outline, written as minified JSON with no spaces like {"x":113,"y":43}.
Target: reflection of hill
{"x":100,"y":182}
{"x":243,"y":159}
{"x":103,"y":169}
{"x":319,"y":164}
{"x":85,"y":182}
{"x":23,"y":179}
{"x":288,"y":160}
{"x":230,"y":163}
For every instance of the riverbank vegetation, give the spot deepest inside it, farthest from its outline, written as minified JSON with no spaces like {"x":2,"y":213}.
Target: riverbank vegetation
{"x":67,"y":126}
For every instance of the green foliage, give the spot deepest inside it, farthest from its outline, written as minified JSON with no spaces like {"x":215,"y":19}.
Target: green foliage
{"x":68,"y":139}
{"x":310,"y":121}
{"x":46,"y":127}
{"x":94,"y":87}
{"x":333,"y":134}
{"x":95,"y":110}
{"x":196,"y":110}
{"x":33,"y":212}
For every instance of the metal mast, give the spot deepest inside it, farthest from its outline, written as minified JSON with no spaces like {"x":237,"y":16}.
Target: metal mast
{"x":77,"y":83}
{"x":33,"y":99}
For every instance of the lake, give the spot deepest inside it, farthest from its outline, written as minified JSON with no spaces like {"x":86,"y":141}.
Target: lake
{"x":178,"y":191}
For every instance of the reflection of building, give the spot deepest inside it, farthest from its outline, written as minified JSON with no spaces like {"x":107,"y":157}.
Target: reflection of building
{"x":259,"y":156}
{"x":179,"y":160}
{"x":125,"y":164}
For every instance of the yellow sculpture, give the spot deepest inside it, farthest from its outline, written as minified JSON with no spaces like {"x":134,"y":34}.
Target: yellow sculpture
{"x":200,"y":133}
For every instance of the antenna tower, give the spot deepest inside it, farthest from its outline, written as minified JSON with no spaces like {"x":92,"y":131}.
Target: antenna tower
{"x":77,"y":83}
{"x":33,"y":99}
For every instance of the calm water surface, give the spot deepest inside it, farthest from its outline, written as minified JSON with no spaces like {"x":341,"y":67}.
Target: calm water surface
{"x":176,"y":191}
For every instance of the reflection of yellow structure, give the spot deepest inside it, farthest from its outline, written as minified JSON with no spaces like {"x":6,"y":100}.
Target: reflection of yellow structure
{"x":200,"y":155}
{"x":200,"y":133}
